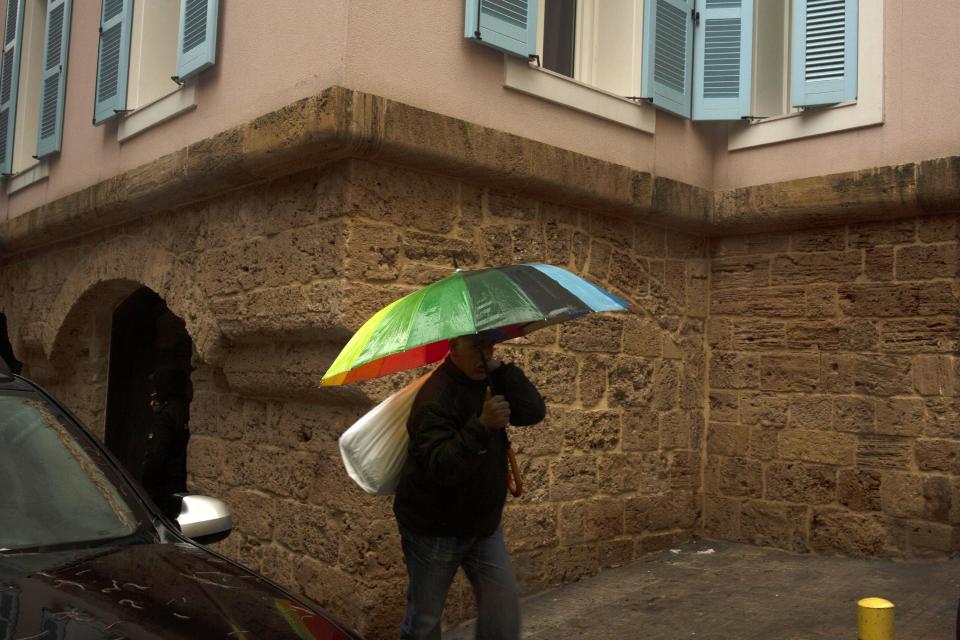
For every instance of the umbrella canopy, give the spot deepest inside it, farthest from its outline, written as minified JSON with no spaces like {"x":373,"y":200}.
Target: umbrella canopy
{"x":498,"y":304}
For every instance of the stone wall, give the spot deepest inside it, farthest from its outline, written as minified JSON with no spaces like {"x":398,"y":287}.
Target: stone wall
{"x":272,"y":279}
{"x":834,"y":420}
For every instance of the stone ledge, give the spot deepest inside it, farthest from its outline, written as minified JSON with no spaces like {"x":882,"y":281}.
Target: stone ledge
{"x":341,"y":123}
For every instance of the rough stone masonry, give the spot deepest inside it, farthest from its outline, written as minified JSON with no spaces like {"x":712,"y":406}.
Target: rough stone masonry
{"x":795,"y":389}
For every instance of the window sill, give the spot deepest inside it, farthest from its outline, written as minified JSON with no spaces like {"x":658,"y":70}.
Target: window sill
{"x":31,"y":175}
{"x":157,"y":112}
{"x":542,"y":83}
{"x":866,"y":111}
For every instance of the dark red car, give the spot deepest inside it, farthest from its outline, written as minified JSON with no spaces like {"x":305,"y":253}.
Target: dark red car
{"x":84,"y":556}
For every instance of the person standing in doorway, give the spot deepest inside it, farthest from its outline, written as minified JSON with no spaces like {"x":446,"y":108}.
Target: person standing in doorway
{"x":164,"y":467}
{"x":453,"y":487}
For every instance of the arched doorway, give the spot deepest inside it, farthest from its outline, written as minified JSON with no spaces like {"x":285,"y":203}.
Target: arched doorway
{"x":145,"y":335}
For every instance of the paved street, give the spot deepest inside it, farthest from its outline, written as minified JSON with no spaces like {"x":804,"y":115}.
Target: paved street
{"x":743,"y":592}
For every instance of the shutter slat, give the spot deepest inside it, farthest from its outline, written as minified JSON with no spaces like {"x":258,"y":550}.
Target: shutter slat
{"x":722,"y":70}
{"x":197,"y":43}
{"x":53,"y":92}
{"x":823,"y":61}
{"x":507,"y":25}
{"x":113,"y":59}
{"x":10,"y":80}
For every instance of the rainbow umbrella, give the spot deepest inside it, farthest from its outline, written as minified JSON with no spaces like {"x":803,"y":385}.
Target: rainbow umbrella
{"x":499,"y":304}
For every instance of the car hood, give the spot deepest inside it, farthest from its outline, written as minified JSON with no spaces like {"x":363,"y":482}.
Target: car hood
{"x":150,"y":591}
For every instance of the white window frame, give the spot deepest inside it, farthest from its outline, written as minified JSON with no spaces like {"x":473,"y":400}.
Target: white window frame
{"x":865,"y":111}
{"x":29,"y":88}
{"x":529,"y":78}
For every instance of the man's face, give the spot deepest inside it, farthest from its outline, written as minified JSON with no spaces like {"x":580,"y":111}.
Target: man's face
{"x":469,"y":354}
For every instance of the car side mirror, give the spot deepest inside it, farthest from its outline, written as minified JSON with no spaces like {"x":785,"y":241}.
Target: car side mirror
{"x":204,"y":519}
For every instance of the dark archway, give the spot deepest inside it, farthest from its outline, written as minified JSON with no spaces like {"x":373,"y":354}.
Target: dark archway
{"x":6,"y":349}
{"x":145,"y":335}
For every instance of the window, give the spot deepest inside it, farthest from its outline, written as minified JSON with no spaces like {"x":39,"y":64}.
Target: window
{"x":35,"y":46}
{"x":699,"y":59}
{"x":148,"y":50}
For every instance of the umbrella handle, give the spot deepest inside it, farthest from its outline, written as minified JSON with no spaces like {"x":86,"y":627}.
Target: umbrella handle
{"x":514,"y":477}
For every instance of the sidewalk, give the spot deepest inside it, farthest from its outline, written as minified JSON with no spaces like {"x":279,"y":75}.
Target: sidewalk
{"x":743,"y":592}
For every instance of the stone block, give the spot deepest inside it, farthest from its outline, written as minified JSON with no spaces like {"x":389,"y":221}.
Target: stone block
{"x":859,"y":489}
{"x":764,"y":443}
{"x":629,"y":274}
{"x":578,"y":562}
{"x":735,"y":476}
{"x":727,"y":439}
{"x":641,"y":430}
{"x":938,"y":455}
{"x":745,"y":272}
{"x":804,"y":268}
{"x":821,"y":301}
{"x":855,"y":414}
{"x":678,"y":428}
{"x":760,"y":243}
{"x":926,"y":262}
{"x":428,"y":247}
{"x":938,"y":228}
{"x":496,"y":245}
{"x":799,"y":482}
{"x":938,"y":498}
{"x":936,"y":375}
{"x":573,"y":478}
{"x":591,"y":431}
{"x":793,"y":372}
{"x":616,"y":553}
{"x":528,"y":243}
{"x":592,"y":379}
{"x":734,"y":371}
{"x":619,"y":473}
{"x":598,"y":265}
{"x":932,"y":537}
{"x":773,"y":302}
{"x":763,"y":409}
{"x":407,"y":198}
{"x":720,"y":333}
{"x":580,"y":245}
{"x":596,"y":333}
{"x":372,"y":251}
{"x":849,"y":533}
{"x":942,"y":418}
{"x":536,"y":478}
{"x":829,"y":239}
{"x":554,"y":375}
{"x":884,"y":452}
{"x":872,"y":234}
{"x":921,"y":335}
{"x":530,"y":526}
{"x":724,"y":406}
{"x":535,"y":570}
{"x":878,"y":264}
{"x":613,"y":229}
{"x":309,"y":530}
{"x":721,"y":517}
{"x":545,"y":438}
{"x":682,"y":245}
{"x":882,"y":375}
{"x":857,"y":335}
{"x":683,"y":470}
{"x":664,"y":386}
{"x":673,"y":510}
{"x":558,"y":244}
{"x":897,"y":300}
{"x":818,"y":446}
{"x":206,"y":457}
{"x":631,"y":382}
{"x":642,"y":336}
{"x":649,"y":241}
{"x":770,"y":524}
{"x":901,"y":495}
{"x":254,"y":512}
{"x":900,"y":416}
{"x":512,"y":205}
{"x":759,"y":335}
{"x":837,"y":372}
{"x":811,"y":412}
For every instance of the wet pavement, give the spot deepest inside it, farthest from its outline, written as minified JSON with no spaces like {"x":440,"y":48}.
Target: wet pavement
{"x":722,"y":591}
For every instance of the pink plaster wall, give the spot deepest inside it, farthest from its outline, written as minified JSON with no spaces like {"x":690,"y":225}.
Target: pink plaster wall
{"x":414,"y":52}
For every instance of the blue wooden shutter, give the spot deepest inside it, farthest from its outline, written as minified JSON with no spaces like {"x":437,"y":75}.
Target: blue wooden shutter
{"x":197,"y":44}
{"x":116,"y":21}
{"x":56,"y":48}
{"x":723,"y":68}
{"x":508,"y":25}
{"x":10,"y":80}
{"x":824,"y":58}
{"x":666,"y":71}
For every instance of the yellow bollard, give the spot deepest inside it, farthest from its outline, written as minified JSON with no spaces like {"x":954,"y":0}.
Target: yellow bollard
{"x":874,"y":619}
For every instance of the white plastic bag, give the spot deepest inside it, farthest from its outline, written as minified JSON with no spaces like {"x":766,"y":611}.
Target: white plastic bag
{"x":374,"y":448}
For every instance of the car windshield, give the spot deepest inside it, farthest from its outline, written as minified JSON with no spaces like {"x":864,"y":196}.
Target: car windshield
{"x":52,"y":492}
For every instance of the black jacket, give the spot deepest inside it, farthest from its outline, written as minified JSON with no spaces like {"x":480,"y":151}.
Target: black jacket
{"x":454,"y":481}
{"x":164,"y":468}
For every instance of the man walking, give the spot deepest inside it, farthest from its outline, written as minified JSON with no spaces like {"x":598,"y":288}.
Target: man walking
{"x":453,"y":486}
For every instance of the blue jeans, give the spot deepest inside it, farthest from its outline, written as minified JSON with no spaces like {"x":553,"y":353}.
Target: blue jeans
{"x":432,"y":563}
